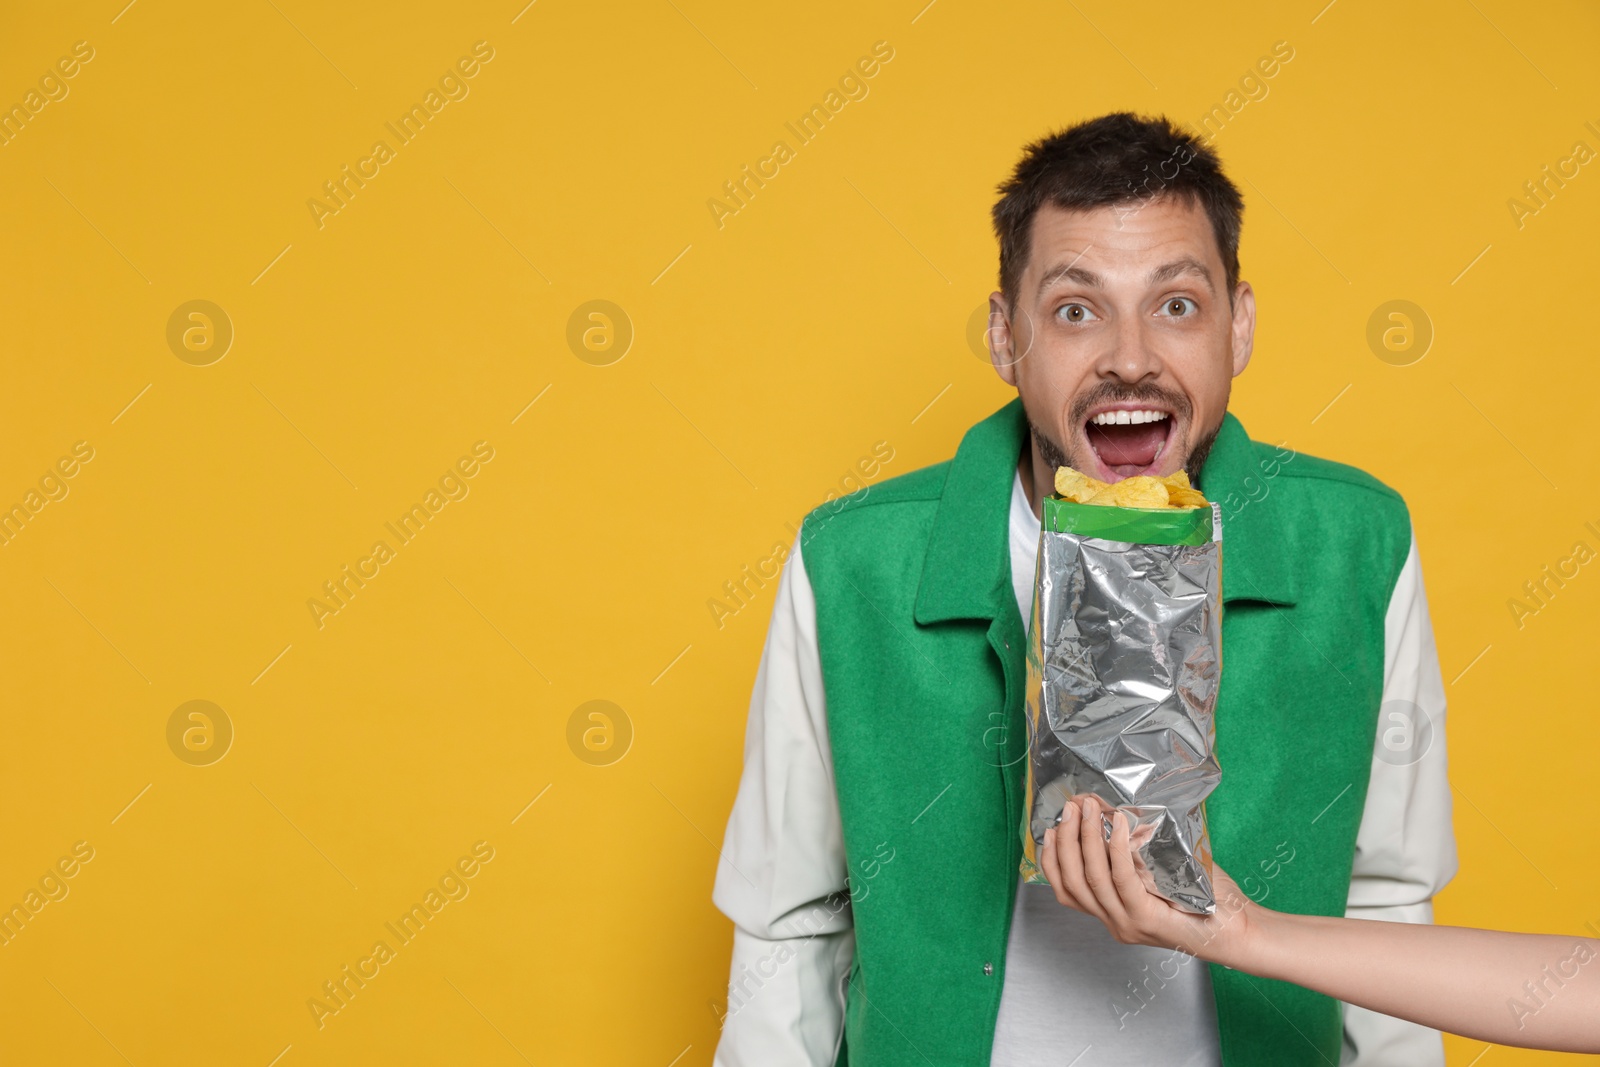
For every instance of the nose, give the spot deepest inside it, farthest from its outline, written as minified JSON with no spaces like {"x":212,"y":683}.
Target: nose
{"x":1129,"y":357}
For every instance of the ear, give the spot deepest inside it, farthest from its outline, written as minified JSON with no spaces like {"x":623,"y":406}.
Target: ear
{"x":1244,"y":326}
{"x":1001,"y":342}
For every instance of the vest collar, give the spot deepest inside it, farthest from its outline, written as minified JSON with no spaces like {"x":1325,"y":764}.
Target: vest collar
{"x":966,"y":573}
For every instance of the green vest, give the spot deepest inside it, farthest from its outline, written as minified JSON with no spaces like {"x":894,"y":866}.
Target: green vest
{"x":922,"y":659}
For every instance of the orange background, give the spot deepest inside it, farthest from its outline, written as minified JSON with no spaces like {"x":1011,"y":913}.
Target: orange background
{"x":769,"y":355}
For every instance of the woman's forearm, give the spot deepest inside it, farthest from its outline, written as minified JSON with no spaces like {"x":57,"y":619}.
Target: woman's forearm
{"x":1535,"y":990}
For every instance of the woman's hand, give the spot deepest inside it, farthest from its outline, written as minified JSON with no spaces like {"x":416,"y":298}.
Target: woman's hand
{"x":1445,"y":977}
{"x":1101,"y":878}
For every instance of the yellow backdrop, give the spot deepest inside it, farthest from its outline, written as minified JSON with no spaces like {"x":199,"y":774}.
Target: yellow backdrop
{"x":245,"y":344}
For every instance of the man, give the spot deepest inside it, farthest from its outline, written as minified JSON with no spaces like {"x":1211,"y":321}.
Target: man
{"x":871,"y":859}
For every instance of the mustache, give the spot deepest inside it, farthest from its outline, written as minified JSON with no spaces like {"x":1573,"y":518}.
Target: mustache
{"x":1115,"y":392}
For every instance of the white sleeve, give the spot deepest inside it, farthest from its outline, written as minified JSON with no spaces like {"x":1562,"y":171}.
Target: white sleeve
{"x":1405,"y":849}
{"x":781,"y":878}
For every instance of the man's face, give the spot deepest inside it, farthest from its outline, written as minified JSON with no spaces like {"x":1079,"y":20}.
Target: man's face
{"x":1122,"y":342}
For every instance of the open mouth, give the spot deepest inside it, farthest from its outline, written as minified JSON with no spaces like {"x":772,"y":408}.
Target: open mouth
{"x":1128,"y":439}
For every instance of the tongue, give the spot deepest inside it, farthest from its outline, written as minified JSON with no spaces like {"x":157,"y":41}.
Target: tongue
{"x":1128,"y":449}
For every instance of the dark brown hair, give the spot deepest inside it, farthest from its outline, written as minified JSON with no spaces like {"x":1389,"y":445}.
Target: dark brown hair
{"x":1114,"y":159}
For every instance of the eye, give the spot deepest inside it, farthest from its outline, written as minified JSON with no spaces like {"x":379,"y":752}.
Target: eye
{"x":1179,"y":307}
{"x":1074,"y":313}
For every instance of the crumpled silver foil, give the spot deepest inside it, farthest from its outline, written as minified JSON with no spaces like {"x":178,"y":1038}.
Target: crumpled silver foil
{"x":1124,"y":660}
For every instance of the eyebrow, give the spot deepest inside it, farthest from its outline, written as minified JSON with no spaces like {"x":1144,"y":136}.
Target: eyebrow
{"x":1166,"y":272}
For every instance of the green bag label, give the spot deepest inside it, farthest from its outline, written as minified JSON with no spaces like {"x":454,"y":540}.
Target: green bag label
{"x":1134,"y":526}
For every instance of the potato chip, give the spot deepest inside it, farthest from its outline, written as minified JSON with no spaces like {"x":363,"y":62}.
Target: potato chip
{"x":1122,"y":495}
{"x":1141,"y":491}
{"x":1075,"y":485}
{"x":1178,"y":479}
{"x":1069,"y":481}
{"x":1094,"y":486}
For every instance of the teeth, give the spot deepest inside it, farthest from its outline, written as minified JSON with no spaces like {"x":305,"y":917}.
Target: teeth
{"x":1124,"y":418}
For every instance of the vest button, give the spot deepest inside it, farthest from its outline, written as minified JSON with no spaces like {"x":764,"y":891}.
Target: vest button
{"x":988,"y":968}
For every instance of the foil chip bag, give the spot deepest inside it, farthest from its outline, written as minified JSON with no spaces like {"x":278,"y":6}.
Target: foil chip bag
{"x":1124,"y":660}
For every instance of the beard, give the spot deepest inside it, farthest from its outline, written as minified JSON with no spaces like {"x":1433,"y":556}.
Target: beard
{"x":1051,"y":452}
